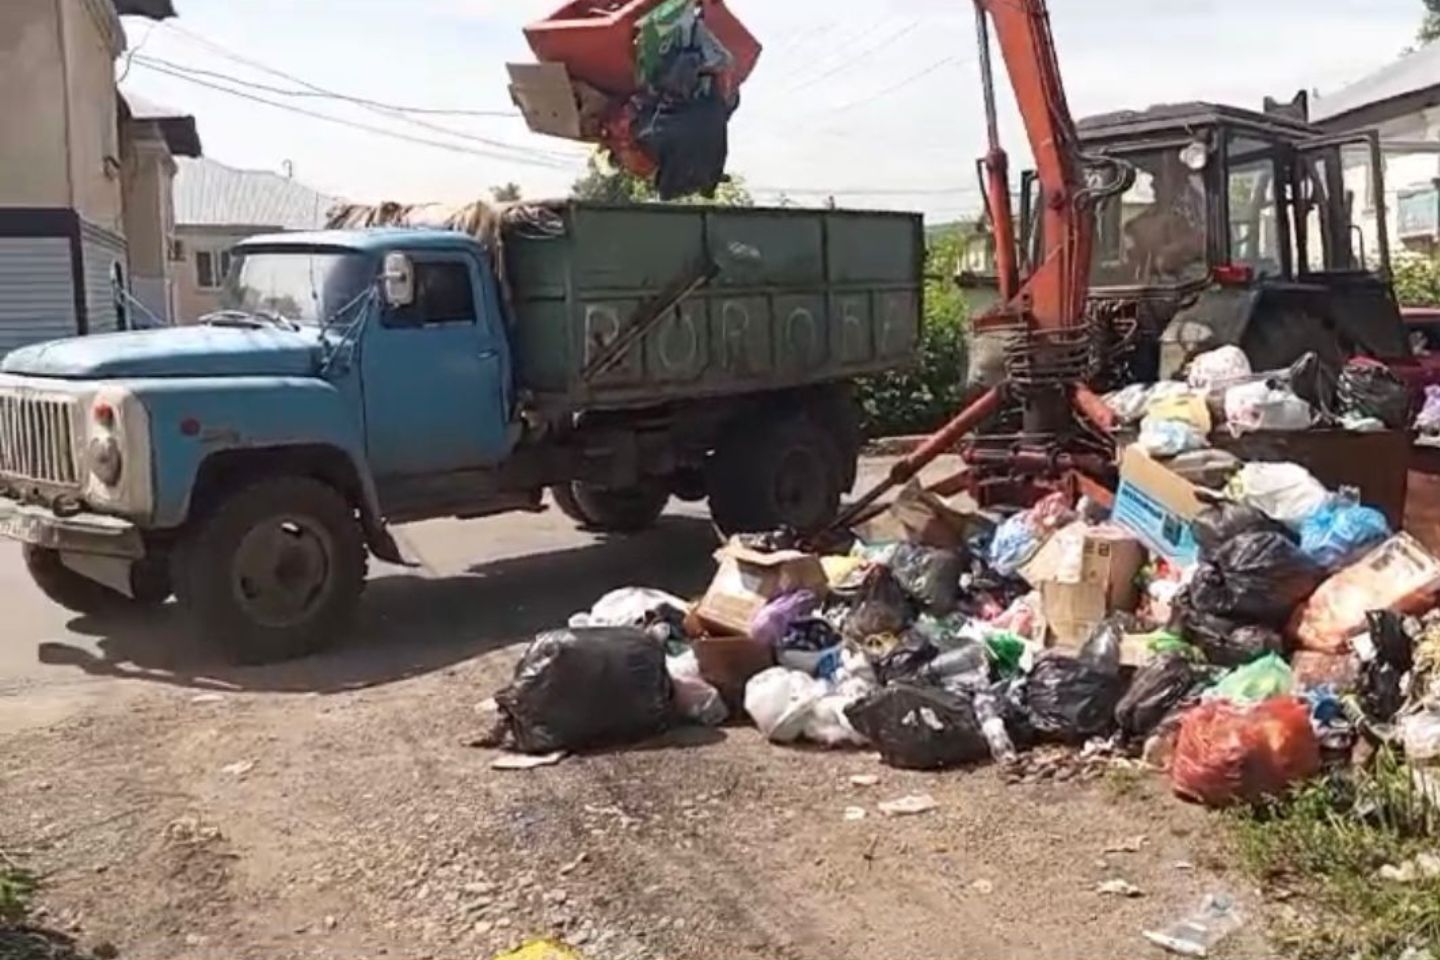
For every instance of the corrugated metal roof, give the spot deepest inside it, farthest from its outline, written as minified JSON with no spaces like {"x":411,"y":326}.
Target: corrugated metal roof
{"x":208,"y":193}
{"x":1413,"y":73}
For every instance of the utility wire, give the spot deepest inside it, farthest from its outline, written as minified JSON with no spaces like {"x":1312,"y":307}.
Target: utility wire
{"x":850,"y":62}
{"x":385,"y":111}
{"x":327,"y":95}
{"x":356,"y":125}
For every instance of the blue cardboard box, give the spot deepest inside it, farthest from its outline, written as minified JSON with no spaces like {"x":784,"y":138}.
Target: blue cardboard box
{"x":1158,"y":506}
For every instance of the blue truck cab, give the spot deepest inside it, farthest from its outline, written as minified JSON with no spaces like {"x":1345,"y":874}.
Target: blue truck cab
{"x":250,"y":463}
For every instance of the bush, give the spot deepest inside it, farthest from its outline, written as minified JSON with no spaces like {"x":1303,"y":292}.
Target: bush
{"x":17,"y":886}
{"x":1417,"y":280}
{"x":925,"y":397}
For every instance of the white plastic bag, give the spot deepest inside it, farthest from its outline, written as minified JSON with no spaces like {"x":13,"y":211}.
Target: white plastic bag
{"x":1218,"y":367}
{"x":1128,"y":404}
{"x":780,"y":702}
{"x":828,"y":725}
{"x":1286,"y":492}
{"x":1420,"y":733}
{"x":1168,"y":438}
{"x":627,"y":607}
{"x":1258,"y":406}
{"x":695,"y":699}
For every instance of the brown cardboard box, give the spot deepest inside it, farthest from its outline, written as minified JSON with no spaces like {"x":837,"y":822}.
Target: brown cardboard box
{"x":920,"y":517}
{"x":749,"y":579}
{"x":1084,"y":574}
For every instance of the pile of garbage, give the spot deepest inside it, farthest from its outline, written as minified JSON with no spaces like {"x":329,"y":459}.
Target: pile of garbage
{"x":1238,"y":635}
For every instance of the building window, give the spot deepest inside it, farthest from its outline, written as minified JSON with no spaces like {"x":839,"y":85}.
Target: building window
{"x":211,"y":268}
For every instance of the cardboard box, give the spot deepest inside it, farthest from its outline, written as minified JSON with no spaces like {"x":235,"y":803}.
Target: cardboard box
{"x":920,"y":517}
{"x":1084,"y":574}
{"x":1158,"y":506}
{"x":749,"y":579}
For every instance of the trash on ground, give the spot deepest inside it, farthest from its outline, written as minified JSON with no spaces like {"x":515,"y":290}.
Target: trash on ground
{"x":1422,"y":866}
{"x":1119,"y":888}
{"x":1228,"y":753}
{"x":909,"y":806}
{"x":853,"y":814}
{"x":523,"y":761}
{"x":1201,"y":931}
{"x":864,"y":780}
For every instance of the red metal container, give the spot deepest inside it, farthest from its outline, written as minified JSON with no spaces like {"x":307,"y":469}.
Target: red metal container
{"x":595,"y":40}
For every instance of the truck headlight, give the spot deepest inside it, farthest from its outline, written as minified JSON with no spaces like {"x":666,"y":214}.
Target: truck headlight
{"x":105,"y":459}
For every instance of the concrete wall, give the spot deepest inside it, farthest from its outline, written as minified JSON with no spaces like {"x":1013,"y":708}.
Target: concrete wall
{"x":191,"y":301}
{"x":32,"y":97}
{"x":90,"y":49}
{"x":148,"y":172}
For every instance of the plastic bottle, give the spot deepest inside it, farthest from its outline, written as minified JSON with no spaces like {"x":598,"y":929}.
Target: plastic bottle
{"x":1195,"y":935}
{"x":992,"y":725}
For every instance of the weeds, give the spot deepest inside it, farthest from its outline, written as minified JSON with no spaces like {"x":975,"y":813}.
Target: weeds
{"x":17,"y":887}
{"x":1326,"y":843}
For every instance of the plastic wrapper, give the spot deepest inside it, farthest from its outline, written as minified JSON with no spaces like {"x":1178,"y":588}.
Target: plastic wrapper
{"x":929,"y":576}
{"x":776,"y":617}
{"x":1420,"y":735}
{"x":1228,"y":754}
{"x":1258,"y":406}
{"x":1161,"y":438}
{"x":1218,"y":367}
{"x":578,"y":689}
{"x":1128,"y":404}
{"x":1286,"y":492}
{"x":697,"y":701}
{"x":1020,"y":536}
{"x":1339,"y":672}
{"x":1223,"y":641}
{"x":1157,"y":689}
{"x":880,"y":608}
{"x":1382,"y":676}
{"x":1102,"y":648}
{"x":1260,"y":680}
{"x":1255,"y":578}
{"x":1341,"y":531}
{"x":1071,"y":700}
{"x":1399,"y":575}
{"x":1428,"y":419}
{"x":1217,"y":524}
{"x":920,"y":728}
{"x":964,"y":668}
{"x":1183,"y":407}
{"x":1368,"y":388}
{"x":1025,"y":617}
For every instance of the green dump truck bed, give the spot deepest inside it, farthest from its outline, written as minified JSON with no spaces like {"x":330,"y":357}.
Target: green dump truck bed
{"x":779,"y":298}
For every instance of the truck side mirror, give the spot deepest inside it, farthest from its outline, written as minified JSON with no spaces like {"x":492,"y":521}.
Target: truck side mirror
{"x":398,"y":276}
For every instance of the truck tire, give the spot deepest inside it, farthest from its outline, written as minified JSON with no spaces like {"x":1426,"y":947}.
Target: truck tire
{"x":784,"y":473}
{"x":80,"y":594}
{"x":275,"y":572}
{"x":620,"y":511}
{"x":564,"y":494}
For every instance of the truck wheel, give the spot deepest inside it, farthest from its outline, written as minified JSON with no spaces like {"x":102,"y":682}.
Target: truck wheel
{"x":564,"y":494}
{"x":620,"y":511}
{"x":785,"y":473}
{"x":275,"y":572}
{"x":80,"y":594}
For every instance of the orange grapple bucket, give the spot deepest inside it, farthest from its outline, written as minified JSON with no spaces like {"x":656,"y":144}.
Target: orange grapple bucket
{"x":595,"y":40}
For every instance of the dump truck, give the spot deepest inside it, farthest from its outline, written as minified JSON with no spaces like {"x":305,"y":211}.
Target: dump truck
{"x":249,"y":464}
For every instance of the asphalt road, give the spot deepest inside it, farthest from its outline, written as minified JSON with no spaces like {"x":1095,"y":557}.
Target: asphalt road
{"x":479,"y":585}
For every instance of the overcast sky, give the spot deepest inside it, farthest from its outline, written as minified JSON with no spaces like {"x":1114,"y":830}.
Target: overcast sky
{"x":849,"y":96}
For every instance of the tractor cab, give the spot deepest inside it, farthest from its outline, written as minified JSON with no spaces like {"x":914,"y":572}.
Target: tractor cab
{"x":1244,"y":228}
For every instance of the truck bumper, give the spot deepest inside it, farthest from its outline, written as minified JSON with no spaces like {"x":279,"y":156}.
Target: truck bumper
{"x":91,"y":533}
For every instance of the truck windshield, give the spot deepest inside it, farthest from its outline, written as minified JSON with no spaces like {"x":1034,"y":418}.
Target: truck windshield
{"x":1154,"y":234}
{"x":304,"y":286}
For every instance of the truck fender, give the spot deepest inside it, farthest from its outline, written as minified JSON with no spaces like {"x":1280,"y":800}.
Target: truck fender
{"x":223,"y":470}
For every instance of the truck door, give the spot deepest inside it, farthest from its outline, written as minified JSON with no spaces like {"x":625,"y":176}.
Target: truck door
{"x":436,"y":373}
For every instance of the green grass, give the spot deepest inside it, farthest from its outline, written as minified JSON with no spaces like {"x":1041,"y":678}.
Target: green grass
{"x":17,"y":887}
{"x":1324,"y":845}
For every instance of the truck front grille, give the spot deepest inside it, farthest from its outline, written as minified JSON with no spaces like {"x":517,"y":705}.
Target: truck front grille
{"x":37,"y":439}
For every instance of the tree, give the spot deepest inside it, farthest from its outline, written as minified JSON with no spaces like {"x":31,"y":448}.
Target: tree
{"x":509,"y":193}
{"x":604,"y":183}
{"x":1430,"y":26}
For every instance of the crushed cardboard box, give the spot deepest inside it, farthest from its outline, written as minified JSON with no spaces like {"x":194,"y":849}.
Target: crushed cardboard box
{"x":748,"y":579}
{"x":1084,"y":574}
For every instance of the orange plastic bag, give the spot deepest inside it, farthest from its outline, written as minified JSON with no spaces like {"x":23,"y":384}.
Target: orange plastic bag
{"x":1228,"y":753}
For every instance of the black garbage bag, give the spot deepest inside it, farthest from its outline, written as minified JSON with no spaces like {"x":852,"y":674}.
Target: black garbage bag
{"x":1216,"y":525}
{"x":920,"y":728}
{"x":1255,"y":578}
{"x":907,"y":659}
{"x":577,"y":689}
{"x":1381,"y":695}
{"x":881,"y":608}
{"x":1225,"y":642}
{"x":689,"y":140}
{"x":1368,"y":388}
{"x":1158,"y":688}
{"x":1102,"y":648}
{"x":1071,"y":700}
{"x":929,"y":576}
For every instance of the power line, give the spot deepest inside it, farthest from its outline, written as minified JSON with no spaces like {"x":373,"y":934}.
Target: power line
{"x":866,"y":192}
{"x":857,"y":58}
{"x":356,"y":125}
{"x":328,"y":95}
{"x":391,"y":113}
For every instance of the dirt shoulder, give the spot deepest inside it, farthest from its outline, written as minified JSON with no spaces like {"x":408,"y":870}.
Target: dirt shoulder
{"x":357,"y":824}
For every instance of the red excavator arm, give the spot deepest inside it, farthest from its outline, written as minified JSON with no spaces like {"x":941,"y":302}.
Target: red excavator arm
{"x":1052,"y":297}
{"x":1042,"y":313}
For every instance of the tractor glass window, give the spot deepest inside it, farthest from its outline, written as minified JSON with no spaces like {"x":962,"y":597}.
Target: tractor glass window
{"x":1254,"y":213}
{"x":1154,"y":234}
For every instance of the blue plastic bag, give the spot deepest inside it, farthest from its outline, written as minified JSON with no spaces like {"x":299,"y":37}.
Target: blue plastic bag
{"x":1014,"y":543}
{"x":1341,"y":531}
